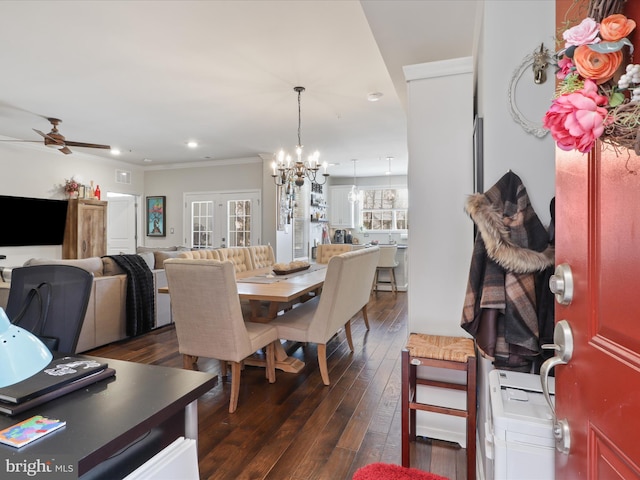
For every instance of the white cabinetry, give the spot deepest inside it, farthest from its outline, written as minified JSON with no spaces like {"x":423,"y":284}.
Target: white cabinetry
{"x":341,"y":211}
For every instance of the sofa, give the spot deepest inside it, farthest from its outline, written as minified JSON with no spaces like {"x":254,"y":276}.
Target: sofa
{"x":105,"y":320}
{"x":244,"y":259}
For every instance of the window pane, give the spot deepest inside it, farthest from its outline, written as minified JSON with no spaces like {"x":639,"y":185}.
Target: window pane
{"x":201,"y":221}
{"x":401,"y":219}
{"x":388,"y":197}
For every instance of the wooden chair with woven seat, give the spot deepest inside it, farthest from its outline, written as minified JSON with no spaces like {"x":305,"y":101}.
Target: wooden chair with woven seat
{"x":456,"y":353}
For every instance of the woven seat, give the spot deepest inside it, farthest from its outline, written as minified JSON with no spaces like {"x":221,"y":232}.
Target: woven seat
{"x":454,"y":353}
{"x":453,"y":349}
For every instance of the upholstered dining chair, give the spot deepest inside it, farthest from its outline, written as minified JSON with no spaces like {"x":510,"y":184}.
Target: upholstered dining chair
{"x":262,"y":256}
{"x":208,"y":319}
{"x":346,"y":290}
{"x":325,"y":251}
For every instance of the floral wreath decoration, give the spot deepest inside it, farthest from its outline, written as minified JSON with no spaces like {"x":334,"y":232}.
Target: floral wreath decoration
{"x":589,"y":104}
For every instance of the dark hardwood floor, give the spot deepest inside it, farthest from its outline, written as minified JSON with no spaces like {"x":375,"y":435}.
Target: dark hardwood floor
{"x":297,"y":428}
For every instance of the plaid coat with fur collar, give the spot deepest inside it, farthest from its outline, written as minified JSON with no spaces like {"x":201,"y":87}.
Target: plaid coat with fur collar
{"x":512,"y":253}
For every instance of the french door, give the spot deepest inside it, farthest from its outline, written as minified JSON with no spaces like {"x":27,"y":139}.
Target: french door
{"x":222,"y":219}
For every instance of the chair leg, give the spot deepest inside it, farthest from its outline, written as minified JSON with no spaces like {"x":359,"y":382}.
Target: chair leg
{"x":188,"y":361}
{"x":223,"y":368}
{"x":271,"y":363}
{"x":235,"y":386}
{"x":405,"y":408}
{"x":322,"y":362}
{"x":364,"y":315}
{"x":394,"y":285}
{"x":374,"y":285}
{"x":347,"y":331}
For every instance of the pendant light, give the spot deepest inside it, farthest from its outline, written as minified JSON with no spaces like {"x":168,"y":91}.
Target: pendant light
{"x":355,"y":195}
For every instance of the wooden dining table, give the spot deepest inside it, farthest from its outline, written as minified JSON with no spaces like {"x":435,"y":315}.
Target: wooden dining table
{"x":268,"y":294}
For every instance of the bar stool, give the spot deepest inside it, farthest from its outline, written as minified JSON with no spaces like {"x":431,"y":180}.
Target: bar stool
{"x":455,"y":353}
{"x":386,"y":262}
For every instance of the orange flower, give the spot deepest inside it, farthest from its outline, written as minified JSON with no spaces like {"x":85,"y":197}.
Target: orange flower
{"x":616,"y":27}
{"x":595,"y":66}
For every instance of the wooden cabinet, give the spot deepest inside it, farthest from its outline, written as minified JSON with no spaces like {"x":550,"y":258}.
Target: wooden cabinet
{"x":341,"y":211}
{"x":85,"y":234}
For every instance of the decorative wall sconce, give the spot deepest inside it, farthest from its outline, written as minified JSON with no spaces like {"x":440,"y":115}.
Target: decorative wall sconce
{"x":539,"y":60}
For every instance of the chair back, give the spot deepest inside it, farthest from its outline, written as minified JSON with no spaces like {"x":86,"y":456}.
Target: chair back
{"x":262,"y":256}
{"x":325,"y":251}
{"x":346,"y":289}
{"x":206,"y":309}
{"x":69,"y":291}
{"x":200,"y":254}
{"x":239,"y":256}
{"x":388,"y":256}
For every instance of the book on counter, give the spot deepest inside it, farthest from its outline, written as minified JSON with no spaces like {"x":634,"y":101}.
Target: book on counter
{"x":61,"y":371}
{"x":29,"y":430}
{"x":10,"y":409}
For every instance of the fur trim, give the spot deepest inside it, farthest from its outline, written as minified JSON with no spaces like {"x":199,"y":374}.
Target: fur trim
{"x":497,"y":241}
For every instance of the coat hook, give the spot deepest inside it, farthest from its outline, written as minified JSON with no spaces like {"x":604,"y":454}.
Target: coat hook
{"x":540,"y":62}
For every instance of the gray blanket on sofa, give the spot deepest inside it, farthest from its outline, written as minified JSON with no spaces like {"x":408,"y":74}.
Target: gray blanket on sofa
{"x":140,"y":304}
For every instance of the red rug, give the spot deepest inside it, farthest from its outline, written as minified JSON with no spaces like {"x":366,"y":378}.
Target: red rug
{"x":387,"y":471}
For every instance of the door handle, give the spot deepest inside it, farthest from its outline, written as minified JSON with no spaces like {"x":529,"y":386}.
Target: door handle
{"x":561,"y":284}
{"x":563,"y":346}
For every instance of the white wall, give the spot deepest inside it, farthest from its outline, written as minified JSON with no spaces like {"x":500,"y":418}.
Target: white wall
{"x":32,"y":170}
{"x":440,"y":178}
{"x":511,"y":31}
{"x":440,"y":165}
{"x":173,"y":182}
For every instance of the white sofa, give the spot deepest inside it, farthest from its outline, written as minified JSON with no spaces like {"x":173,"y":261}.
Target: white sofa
{"x":105,"y":320}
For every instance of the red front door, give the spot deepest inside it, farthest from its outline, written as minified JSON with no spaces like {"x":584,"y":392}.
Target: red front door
{"x":598,"y":236}
{"x":598,"y":391}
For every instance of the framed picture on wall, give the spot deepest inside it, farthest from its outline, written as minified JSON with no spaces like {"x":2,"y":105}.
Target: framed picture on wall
{"x":156,"y":217}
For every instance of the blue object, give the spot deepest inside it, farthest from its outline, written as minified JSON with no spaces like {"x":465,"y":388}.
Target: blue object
{"x":22,"y":354}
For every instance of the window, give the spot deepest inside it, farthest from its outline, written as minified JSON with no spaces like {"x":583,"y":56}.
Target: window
{"x":385,"y":209}
{"x":222,"y":219}
{"x":202,"y":220}
{"x":239,"y":223}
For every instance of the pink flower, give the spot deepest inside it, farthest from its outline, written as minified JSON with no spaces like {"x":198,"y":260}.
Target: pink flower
{"x":584,"y":33}
{"x":577,"y":119}
{"x":565,"y":67}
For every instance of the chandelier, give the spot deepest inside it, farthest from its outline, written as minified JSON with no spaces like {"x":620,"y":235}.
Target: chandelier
{"x":286,"y":171}
{"x":355,"y":195}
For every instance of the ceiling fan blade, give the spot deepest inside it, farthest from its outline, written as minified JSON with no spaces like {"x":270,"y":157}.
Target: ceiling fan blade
{"x":65,"y":150}
{"x":44,"y":135}
{"x":87,"y":145}
{"x":48,"y":139}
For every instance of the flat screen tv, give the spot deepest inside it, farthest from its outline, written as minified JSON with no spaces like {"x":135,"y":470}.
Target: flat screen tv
{"x":32,"y":221}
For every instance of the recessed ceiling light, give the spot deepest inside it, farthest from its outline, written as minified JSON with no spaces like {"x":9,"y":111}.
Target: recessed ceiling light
{"x":374,"y":96}
{"x":115,"y":151}
{"x":147,"y":160}
{"x":192,"y":144}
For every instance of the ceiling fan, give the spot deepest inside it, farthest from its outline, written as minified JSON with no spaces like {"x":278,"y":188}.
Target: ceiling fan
{"x":54,"y":139}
